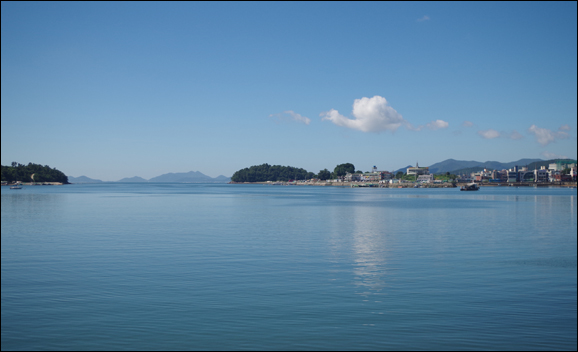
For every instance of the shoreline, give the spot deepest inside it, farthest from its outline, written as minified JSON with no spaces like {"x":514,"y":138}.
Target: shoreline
{"x":34,"y":184}
{"x":410,"y":184}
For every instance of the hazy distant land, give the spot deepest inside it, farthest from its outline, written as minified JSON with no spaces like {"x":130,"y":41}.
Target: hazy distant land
{"x":179,"y":177}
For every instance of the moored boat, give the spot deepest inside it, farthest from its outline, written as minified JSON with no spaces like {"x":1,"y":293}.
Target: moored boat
{"x":470,"y":187}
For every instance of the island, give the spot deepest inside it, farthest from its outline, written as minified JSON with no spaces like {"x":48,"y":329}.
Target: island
{"x":32,"y":174}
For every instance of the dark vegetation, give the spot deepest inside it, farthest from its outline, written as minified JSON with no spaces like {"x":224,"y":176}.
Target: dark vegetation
{"x":266,"y":172}
{"x":23,"y":173}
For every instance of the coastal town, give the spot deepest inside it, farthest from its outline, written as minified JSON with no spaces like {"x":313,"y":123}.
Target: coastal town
{"x":561,"y":173}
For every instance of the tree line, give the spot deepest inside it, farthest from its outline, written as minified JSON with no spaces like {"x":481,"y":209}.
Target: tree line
{"x":266,"y":172}
{"x":23,"y":173}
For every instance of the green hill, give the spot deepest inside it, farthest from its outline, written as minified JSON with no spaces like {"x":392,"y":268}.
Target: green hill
{"x":266,"y":172}
{"x":454,"y":166}
{"x":23,"y":173}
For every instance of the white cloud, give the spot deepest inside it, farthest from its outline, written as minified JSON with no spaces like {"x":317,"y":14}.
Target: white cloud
{"x":515,"y":135}
{"x":290,"y":115}
{"x":375,"y":115}
{"x":437,"y":124}
{"x":467,"y":124}
{"x":565,"y":128}
{"x":549,"y":155}
{"x":371,"y":115}
{"x":424,"y":18}
{"x":489,"y":134}
{"x":545,"y":136}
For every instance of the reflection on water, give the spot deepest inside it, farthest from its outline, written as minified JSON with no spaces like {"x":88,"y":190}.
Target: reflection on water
{"x":572,"y":210}
{"x":369,"y":249}
{"x":253,"y":267}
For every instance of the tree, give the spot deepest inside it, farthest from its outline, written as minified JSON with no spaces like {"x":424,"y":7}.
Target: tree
{"x":399,"y":175}
{"x":343,"y":169}
{"x":324,"y":174}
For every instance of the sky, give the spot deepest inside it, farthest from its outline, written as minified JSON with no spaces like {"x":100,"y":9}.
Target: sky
{"x":121,"y":89}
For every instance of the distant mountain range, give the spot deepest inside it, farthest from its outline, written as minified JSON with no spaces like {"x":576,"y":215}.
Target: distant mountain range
{"x":82,"y":179}
{"x":179,"y":177}
{"x":452,"y":165}
{"x":190,"y":177}
{"x":467,"y":166}
{"x":132,"y":179}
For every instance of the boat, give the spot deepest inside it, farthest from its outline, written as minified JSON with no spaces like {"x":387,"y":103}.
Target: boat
{"x":470,"y":187}
{"x":16,"y":187}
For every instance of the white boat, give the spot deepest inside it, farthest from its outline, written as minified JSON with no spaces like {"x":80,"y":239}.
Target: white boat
{"x":16,"y":187}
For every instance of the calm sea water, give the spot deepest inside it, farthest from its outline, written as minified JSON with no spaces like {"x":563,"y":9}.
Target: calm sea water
{"x":189,"y":266}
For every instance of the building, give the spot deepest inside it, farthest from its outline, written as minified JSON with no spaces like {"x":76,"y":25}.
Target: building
{"x":526,"y":176}
{"x":417,"y":170}
{"x":386,"y":175}
{"x":541,"y":175}
{"x":426,"y":178}
{"x":513,"y":175}
{"x":352,"y":177}
{"x":371,"y":176}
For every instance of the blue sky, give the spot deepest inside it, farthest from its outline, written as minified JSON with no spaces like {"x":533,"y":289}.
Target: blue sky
{"x":113,"y":90}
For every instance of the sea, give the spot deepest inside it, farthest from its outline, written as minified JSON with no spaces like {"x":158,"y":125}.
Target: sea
{"x":117,"y":266}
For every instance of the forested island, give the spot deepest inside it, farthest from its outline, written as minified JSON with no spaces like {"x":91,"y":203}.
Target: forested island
{"x":23,"y":173}
{"x":266,"y":172}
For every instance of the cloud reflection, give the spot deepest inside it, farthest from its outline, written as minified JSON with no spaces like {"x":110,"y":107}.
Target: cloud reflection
{"x":369,"y":248}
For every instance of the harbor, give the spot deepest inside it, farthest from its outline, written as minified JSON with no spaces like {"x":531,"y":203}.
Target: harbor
{"x":412,"y":184}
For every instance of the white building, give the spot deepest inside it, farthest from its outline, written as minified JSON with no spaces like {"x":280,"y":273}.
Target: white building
{"x":425,"y":178}
{"x":417,"y":170}
{"x":352,"y":177}
{"x":541,"y":175}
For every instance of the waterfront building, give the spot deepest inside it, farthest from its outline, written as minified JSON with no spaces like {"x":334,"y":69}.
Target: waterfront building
{"x":526,"y":176}
{"x":541,"y":175}
{"x":417,"y":170}
{"x":371,"y":176}
{"x":426,"y":178}
{"x":352,"y":177}
{"x":513,"y":175}
{"x":554,"y":167}
{"x":560,"y":165}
